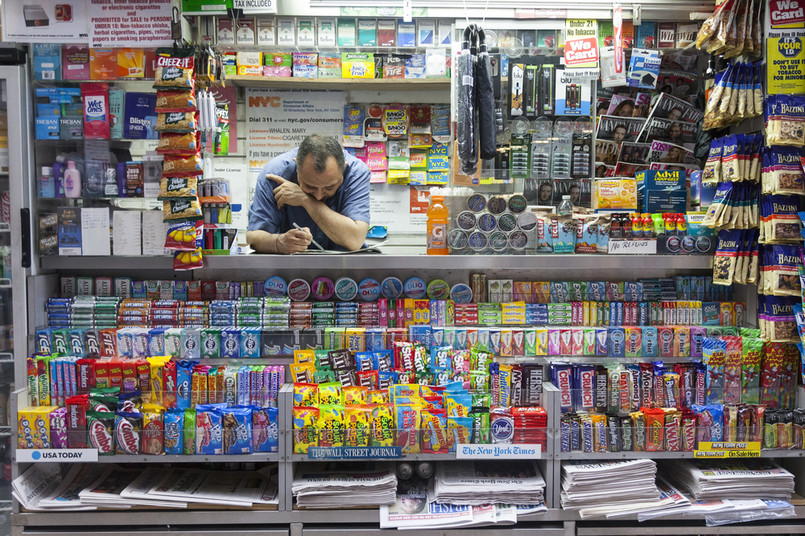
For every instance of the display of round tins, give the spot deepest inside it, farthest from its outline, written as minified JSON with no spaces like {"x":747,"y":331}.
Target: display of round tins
{"x":487,"y":222}
{"x":466,"y":220}
{"x":438,"y":289}
{"x":298,"y":290}
{"x":346,"y":289}
{"x":478,"y":241}
{"x":498,"y":241}
{"x":507,"y":222}
{"x":461,"y":293}
{"x":517,"y":203}
{"x":415,"y":288}
{"x":391,"y":288}
{"x":369,"y":289}
{"x":476,"y":202}
{"x":322,"y":288}
{"x":457,"y":239}
{"x":518,"y":240}
{"x":275,"y":287}
{"x":496,"y":205}
{"x":527,"y":221}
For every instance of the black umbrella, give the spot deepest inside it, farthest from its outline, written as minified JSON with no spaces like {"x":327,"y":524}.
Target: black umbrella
{"x":485,"y":100}
{"x":465,"y":105}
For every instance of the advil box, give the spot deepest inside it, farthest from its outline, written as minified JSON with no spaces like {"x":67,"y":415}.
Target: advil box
{"x":664,"y":190}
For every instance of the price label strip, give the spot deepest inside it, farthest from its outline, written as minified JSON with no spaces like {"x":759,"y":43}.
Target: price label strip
{"x":728,"y":449}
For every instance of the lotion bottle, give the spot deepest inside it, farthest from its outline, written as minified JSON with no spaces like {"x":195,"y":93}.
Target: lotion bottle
{"x":72,"y":181}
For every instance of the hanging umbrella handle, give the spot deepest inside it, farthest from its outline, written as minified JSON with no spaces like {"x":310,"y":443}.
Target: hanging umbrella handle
{"x":468,"y":31}
{"x":474,"y":41}
{"x":481,"y":40}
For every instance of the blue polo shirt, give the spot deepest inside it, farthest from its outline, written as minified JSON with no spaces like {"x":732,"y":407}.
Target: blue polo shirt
{"x":350,"y":200}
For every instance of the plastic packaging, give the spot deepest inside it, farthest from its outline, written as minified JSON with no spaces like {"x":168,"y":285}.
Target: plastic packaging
{"x":47,"y":184}
{"x":437,"y":226}
{"x":72,"y":181}
{"x":565,"y":207}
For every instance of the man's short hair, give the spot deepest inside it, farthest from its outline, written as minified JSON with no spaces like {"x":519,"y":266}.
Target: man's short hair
{"x":321,"y":148}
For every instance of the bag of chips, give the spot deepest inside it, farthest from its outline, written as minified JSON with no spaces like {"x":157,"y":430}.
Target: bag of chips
{"x":175,"y":101}
{"x":181,"y":165}
{"x":177,"y":122}
{"x":181,"y":209}
{"x":785,"y":120}
{"x":179,"y":143}
{"x":184,"y":236}
{"x":782,"y":171}
{"x":178,"y":188}
{"x":711,"y":173}
{"x":175,"y":69}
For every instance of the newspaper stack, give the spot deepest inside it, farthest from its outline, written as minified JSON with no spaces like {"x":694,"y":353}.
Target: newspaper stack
{"x":588,"y":487}
{"x":489,"y":482}
{"x":340,"y":486}
{"x":43,"y":487}
{"x":105,"y":491}
{"x":722,"y":479}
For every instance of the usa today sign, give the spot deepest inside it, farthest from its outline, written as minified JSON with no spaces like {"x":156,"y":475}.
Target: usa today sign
{"x":58,"y":456}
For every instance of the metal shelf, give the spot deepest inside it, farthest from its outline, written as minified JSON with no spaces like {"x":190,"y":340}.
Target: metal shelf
{"x":186,"y":458}
{"x":561,"y":264}
{"x":5,"y":431}
{"x":405,"y":457}
{"x":340,"y":83}
{"x":622,"y":455}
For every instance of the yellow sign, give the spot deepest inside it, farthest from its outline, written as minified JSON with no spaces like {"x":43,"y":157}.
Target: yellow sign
{"x":785,"y":71}
{"x":581,"y":43}
{"x":728,"y":449}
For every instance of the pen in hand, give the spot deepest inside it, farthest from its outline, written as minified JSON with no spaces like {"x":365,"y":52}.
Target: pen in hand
{"x":312,"y":240}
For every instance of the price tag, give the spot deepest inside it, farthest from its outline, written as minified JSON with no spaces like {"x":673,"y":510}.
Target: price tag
{"x":726,"y":449}
{"x":632,"y":247}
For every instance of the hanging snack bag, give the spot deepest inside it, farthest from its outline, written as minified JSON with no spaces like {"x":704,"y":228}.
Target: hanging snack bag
{"x":175,"y":101}
{"x":177,"y":122}
{"x":784,"y":173}
{"x":178,"y":188}
{"x":179,"y":143}
{"x":182,"y":165}
{"x":785,"y":120}
{"x":726,"y":256}
{"x":712,"y":168}
{"x":729,"y":158}
{"x":175,"y":69}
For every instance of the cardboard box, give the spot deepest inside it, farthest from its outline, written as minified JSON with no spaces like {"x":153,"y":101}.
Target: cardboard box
{"x":615,"y":194}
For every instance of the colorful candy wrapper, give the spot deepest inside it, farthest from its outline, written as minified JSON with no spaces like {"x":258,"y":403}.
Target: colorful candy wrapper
{"x":714,"y":354}
{"x":434,"y":431}
{"x":382,"y":425}
{"x":209,"y":429}
{"x":304,"y":429}
{"x":237,"y":429}
{"x":58,"y":428}
{"x":189,"y":432}
{"x":655,"y":429}
{"x":460,"y":428}
{"x":356,"y":425}
{"x":330,"y":425}
{"x":408,"y":425}
{"x":153,"y":429}
{"x":265,"y":430}
{"x":709,"y":422}
{"x":128,"y":432}
{"x":480,"y":425}
{"x":305,"y":394}
{"x":174,"y":431}
{"x":100,"y":428}
{"x":330,"y":393}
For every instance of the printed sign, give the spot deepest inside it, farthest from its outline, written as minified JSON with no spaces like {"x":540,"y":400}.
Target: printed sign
{"x":499,"y":452}
{"x":785,"y":65}
{"x":787,"y":13}
{"x":60,"y":456}
{"x":255,"y":6}
{"x":45,"y":21}
{"x":724,"y":449}
{"x":581,"y":43}
{"x":346,"y":453}
{"x":134,"y":23}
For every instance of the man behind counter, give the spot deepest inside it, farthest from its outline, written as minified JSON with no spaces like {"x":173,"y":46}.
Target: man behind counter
{"x":319,"y":187}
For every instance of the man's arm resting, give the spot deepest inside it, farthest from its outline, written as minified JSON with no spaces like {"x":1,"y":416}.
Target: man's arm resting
{"x":263,"y":241}
{"x":342,"y":230}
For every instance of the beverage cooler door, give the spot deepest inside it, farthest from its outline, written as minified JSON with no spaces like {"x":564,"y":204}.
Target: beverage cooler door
{"x":15,"y":257}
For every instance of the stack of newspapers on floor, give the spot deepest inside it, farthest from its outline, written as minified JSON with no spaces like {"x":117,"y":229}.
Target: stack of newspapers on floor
{"x":340,"y":485}
{"x":465,"y":494}
{"x":601,"y":488}
{"x":45,"y":487}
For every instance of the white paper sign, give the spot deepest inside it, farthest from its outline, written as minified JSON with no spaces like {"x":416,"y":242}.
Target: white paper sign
{"x":134,"y":23}
{"x":499,"y":452}
{"x":126,"y":235}
{"x":279,"y":119}
{"x":242,"y":183}
{"x":632,"y":247}
{"x":60,"y":456}
{"x":45,"y":21}
{"x":95,"y":231}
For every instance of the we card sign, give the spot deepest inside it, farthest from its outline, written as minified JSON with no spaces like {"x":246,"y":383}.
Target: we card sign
{"x":787,"y":13}
{"x":581,"y":52}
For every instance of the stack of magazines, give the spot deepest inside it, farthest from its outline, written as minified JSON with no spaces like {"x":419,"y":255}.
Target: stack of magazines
{"x":342,"y":485}
{"x":43,"y":487}
{"x":488,"y":482}
{"x":592,"y":488}
{"x":732,"y":479}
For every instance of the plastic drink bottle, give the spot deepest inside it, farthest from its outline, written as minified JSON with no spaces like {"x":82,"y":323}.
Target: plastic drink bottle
{"x":437,"y":226}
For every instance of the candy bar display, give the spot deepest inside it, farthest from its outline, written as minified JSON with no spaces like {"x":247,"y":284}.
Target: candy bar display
{"x":150,"y":406}
{"x":419,"y":401}
{"x":740,"y":391}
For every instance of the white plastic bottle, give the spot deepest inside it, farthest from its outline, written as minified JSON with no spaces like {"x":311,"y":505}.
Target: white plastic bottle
{"x":47,"y":183}
{"x":72,"y":180}
{"x":565,"y":207}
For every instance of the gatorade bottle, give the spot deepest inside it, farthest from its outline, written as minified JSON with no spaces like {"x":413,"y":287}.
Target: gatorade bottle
{"x":437,"y":226}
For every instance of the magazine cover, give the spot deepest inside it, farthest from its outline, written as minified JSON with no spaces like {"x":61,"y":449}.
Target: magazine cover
{"x":619,"y":129}
{"x":678,"y":132}
{"x":670,"y":153}
{"x":606,"y":152}
{"x":634,"y":153}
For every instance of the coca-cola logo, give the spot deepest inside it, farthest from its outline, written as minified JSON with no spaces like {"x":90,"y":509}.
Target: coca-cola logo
{"x":127,"y":439}
{"x":99,"y":437}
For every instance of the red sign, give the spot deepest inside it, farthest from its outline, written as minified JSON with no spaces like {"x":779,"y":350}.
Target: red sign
{"x":784,"y":13}
{"x":581,"y":51}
